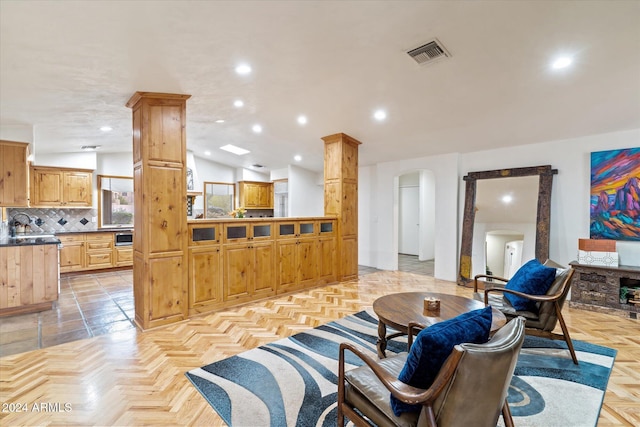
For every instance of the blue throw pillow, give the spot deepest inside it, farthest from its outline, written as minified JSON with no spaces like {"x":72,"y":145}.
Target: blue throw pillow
{"x":434,"y":344}
{"x":532,"y":278}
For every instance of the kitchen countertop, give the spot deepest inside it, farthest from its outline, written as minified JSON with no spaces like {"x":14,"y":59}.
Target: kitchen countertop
{"x":29,"y":241}
{"x":100,"y":230}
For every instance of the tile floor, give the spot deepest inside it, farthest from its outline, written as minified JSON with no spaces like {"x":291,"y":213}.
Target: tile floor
{"x":411,"y":264}
{"x":88,"y":305}
{"x":101,"y":303}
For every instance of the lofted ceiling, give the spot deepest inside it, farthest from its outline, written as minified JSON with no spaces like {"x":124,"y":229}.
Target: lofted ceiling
{"x":68,"y":68}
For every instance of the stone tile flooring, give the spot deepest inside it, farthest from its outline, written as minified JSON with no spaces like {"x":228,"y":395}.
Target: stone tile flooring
{"x":411,"y":264}
{"x":88,"y":305}
{"x":101,"y":303}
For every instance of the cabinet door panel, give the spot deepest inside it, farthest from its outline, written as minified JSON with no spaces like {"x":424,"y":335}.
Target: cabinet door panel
{"x":205,"y":276}
{"x":46,"y":188}
{"x":307,"y":262}
{"x":77,"y":189}
{"x":287,"y":272}
{"x":264,"y":278}
{"x":166,"y":301}
{"x":71,"y":256}
{"x":327,"y":260}
{"x":238,"y":270}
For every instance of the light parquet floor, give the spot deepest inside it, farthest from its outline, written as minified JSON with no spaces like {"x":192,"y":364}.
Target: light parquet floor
{"x":137,"y":378}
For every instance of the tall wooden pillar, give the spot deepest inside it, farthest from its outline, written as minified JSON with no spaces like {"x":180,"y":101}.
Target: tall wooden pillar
{"x":160,"y":196}
{"x":341,"y":198}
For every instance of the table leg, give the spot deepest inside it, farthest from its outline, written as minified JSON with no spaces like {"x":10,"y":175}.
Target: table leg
{"x":382,"y":339}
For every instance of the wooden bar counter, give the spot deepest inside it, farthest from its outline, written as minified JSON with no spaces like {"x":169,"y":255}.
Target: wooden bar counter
{"x":237,"y":260}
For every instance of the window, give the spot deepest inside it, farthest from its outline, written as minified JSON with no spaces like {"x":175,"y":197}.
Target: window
{"x":218,"y":199}
{"x":115,"y":201}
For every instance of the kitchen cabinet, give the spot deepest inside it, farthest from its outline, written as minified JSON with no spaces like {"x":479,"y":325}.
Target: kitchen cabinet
{"x":72,"y":252}
{"x":297,"y":248}
{"x":248,"y":261}
{"x":29,"y":278}
{"x":60,"y":187}
{"x":92,"y":251}
{"x":123,"y":256}
{"x":327,"y":252}
{"x":255,"y":195}
{"x":205,"y":268}
{"x":99,"y":250}
{"x":14,"y":176}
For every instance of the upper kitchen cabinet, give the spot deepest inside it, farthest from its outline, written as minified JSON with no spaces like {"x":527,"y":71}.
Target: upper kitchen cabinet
{"x":256,"y":195}
{"x":14,"y":177}
{"x":55,"y":187}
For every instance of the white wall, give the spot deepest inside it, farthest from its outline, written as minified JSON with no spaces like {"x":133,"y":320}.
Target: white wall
{"x":306,"y":197}
{"x":378,"y":235}
{"x":82,"y":160}
{"x":119,"y":164}
{"x":571,"y":186}
{"x":17,"y":133}
{"x":428,"y":205}
{"x":251,"y":175}
{"x":377,"y":245}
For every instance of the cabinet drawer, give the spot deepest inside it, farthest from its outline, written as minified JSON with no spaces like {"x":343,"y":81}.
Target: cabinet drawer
{"x":97,"y":245}
{"x":99,"y":259}
{"x":124,"y":256}
{"x":68,"y":238}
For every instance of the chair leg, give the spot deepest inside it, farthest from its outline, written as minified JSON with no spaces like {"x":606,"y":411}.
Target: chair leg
{"x":506,"y":415}
{"x":565,"y":332}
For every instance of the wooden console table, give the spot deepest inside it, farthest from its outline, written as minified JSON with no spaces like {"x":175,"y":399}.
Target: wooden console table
{"x":597,"y":288}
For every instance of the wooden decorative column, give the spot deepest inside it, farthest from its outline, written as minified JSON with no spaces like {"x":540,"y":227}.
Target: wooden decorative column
{"x":341,"y":198}
{"x":160,"y":285}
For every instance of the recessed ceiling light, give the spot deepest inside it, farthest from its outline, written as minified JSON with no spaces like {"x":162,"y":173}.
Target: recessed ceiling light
{"x":297,"y":157}
{"x":207,"y":153}
{"x":235,"y":150}
{"x":106,"y":128}
{"x":506,"y":199}
{"x":562,"y":62}
{"x":257,"y":128}
{"x":380,"y":115}
{"x":220,"y":121}
{"x":238,"y":103}
{"x":243,"y":69}
{"x":302,"y":119}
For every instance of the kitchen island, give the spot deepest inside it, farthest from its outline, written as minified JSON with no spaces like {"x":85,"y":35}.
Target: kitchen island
{"x":29,"y":274}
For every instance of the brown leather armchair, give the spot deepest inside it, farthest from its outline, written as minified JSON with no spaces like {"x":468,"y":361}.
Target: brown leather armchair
{"x":542,"y":321}
{"x":470,"y":389}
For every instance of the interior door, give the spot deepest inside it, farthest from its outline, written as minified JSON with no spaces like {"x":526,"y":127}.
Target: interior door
{"x":409,"y":220}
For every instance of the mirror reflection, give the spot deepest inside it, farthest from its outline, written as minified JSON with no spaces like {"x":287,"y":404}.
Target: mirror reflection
{"x":506,"y":220}
{"x":504,"y":230}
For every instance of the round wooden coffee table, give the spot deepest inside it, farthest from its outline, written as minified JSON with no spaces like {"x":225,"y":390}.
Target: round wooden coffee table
{"x":398,"y":310}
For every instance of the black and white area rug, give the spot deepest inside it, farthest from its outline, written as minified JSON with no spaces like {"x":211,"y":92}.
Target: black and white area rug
{"x":292,"y":382}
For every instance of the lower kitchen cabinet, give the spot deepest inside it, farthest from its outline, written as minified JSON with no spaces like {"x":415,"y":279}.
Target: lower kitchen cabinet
{"x":32,"y":279}
{"x":205,"y":276}
{"x":123,"y":256}
{"x":99,"y":250}
{"x":92,"y":251}
{"x":248,"y":271}
{"x":72,"y":252}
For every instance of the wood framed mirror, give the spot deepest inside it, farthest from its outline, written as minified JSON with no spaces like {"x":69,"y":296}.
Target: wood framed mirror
{"x":542,"y":221}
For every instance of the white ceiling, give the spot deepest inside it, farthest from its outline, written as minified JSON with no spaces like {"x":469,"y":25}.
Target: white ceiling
{"x":67,"y":68}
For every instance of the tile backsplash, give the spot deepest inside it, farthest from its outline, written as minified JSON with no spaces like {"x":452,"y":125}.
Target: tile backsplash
{"x":52,"y":220}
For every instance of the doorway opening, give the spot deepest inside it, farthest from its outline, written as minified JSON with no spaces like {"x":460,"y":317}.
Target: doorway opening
{"x":416,"y":222}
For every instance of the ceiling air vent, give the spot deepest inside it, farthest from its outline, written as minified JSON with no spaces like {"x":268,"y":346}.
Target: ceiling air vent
{"x":428,"y":53}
